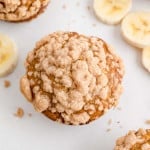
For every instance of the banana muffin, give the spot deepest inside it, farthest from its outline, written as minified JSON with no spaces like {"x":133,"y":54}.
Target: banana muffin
{"x":72,"y":78}
{"x":134,"y":140}
{"x":21,"y":10}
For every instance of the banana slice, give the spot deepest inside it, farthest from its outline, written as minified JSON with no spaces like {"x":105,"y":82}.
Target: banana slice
{"x":135,"y":28}
{"x":111,"y":11}
{"x":146,"y":58}
{"x":8,"y":55}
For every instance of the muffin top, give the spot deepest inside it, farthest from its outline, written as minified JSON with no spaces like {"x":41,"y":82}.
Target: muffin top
{"x":134,"y":140}
{"x":20,"y":10}
{"x":73,"y":77}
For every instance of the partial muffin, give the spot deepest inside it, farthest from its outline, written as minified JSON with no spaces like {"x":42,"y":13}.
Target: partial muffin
{"x":72,"y":78}
{"x":134,"y":140}
{"x":21,"y":10}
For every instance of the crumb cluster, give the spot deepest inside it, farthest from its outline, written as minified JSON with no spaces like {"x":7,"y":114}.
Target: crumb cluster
{"x":134,"y":140}
{"x":72,"y":78}
{"x":19,"y":10}
{"x":7,"y":84}
{"x":147,"y":122}
{"x":19,"y":113}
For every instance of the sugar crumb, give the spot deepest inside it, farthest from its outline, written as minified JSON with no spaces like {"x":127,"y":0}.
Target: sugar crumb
{"x":147,"y":122}
{"x":7,"y":84}
{"x":19,"y":113}
{"x":109,"y":121}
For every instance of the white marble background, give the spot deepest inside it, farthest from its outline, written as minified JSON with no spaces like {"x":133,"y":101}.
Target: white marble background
{"x":39,"y":133}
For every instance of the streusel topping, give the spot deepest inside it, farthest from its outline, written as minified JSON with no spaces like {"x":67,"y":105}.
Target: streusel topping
{"x":17,"y":10}
{"x":75,"y":77}
{"x":134,"y":140}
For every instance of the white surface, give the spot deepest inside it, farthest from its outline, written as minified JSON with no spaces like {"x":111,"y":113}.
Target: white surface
{"x":39,"y":133}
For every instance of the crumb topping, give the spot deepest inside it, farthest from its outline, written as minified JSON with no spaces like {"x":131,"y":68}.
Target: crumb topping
{"x":75,"y":77}
{"x":16,"y":10}
{"x":139,"y":140}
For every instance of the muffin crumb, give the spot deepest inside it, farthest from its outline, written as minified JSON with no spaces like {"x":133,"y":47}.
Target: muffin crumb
{"x":19,"y":113}
{"x":108,"y":130}
{"x":109,"y":121}
{"x":89,"y":8}
{"x":30,"y":114}
{"x":7,"y":83}
{"x":147,"y":122}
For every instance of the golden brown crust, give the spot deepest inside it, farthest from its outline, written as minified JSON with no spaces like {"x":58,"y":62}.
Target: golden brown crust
{"x":24,"y":18}
{"x":73,"y":79}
